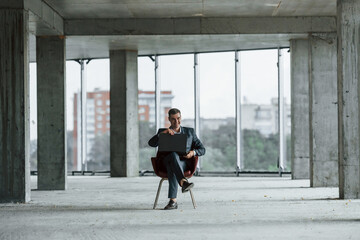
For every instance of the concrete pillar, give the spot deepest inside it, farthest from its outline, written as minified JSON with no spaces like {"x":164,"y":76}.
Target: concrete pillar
{"x":50,"y":58}
{"x":348,"y":13}
{"x":300,"y":165}
{"x":14,"y":106}
{"x":323,"y":111}
{"x":124,"y":125}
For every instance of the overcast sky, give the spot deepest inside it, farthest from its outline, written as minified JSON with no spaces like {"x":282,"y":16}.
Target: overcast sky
{"x":217,"y":84}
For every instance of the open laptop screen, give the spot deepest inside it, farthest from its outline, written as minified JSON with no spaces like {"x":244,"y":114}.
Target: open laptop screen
{"x":173,"y":143}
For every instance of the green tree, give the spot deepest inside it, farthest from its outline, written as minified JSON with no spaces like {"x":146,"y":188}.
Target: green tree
{"x":145,"y":158}
{"x":33,"y":155}
{"x":259,"y":152}
{"x":99,"y":156}
{"x":146,"y":131}
{"x":220,"y":147}
{"x":70,"y":152}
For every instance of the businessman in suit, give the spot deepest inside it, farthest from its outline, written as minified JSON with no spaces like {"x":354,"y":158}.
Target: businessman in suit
{"x":175,"y":164}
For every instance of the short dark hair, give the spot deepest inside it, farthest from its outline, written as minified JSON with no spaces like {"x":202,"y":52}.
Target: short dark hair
{"x":173,"y":111}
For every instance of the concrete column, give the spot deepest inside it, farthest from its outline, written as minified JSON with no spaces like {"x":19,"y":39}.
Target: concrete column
{"x":348,"y":94}
{"x":300,"y":165}
{"x":323,"y":111}
{"x":14,"y":106}
{"x":124,"y":125}
{"x":51,"y":92}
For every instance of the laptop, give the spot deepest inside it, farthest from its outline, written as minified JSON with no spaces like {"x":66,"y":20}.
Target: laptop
{"x":173,"y":143}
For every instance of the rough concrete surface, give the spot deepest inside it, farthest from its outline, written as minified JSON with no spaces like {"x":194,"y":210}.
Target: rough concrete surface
{"x":228,"y":207}
{"x":300,"y":155}
{"x":51,"y":113}
{"x":14,"y":106}
{"x":323,"y":105}
{"x":348,"y":95}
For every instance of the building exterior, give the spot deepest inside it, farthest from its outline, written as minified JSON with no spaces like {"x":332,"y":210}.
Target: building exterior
{"x":261,"y":117}
{"x":147,"y":106}
{"x":264,"y":117}
{"x":98,"y":116}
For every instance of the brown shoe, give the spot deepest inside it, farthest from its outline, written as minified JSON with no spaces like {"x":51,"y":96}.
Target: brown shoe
{"x":171,"y":205}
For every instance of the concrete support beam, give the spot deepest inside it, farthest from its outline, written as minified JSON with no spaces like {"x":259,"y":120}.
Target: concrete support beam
{"x":124,"y":125}
{"x":349,"y":99}
{"x":300,"y":165}
{"x":14,"y":106}
{"x":181,"y":26}
{"x":323,"y":111}
{"x":51,"y":92}
{"x":43,"y":20}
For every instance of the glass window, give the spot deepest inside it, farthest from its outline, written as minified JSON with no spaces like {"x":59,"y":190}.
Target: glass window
{"x":146,"y":98}
{"x":98,"y":86}
{"x":217,"y":111}
{"x":177,"y":88}
{"x":287,"y":108}
{"x":142,"y":109}
{"x":33,"y":117}
{"x":73,"y":115}
{"x":259,"y":109}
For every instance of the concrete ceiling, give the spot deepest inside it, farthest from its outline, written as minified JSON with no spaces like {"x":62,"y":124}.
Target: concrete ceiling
{"x":99,"y":46}
{"x":75,"y":9}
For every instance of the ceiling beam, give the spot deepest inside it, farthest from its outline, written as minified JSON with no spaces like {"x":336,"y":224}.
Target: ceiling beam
{"x":196,"y":26}
{"x":43,"y":20}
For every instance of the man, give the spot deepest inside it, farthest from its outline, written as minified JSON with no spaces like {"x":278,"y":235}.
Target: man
{"x":175,"y":164}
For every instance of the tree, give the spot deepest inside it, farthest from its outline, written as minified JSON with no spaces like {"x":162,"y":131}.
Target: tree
{"x":70,"y":147}
{"x":33,"y":155}
{"x":99,"y":156}
{"x":146,"y":131}
{"x":70,"y":151}
{"x":259,"y":152}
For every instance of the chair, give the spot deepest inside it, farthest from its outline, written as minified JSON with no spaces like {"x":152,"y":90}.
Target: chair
{"x":160,"y":171}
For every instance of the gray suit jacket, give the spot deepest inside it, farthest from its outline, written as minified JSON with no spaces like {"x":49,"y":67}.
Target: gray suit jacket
{"x":193,"y":143}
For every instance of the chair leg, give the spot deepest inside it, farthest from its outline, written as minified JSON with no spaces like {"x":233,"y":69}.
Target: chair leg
{"x":192,"y":199}
{"x":158,"y":192}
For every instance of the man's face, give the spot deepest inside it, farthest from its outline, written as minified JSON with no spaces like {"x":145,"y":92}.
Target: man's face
{"x":175,"y":120}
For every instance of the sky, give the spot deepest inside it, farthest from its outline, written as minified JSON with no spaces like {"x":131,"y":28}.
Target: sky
{"x":258,"y":76}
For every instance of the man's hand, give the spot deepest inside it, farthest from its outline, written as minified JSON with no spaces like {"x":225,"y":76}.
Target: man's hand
{"x":189,"y":155}
{"x":168,"y":131}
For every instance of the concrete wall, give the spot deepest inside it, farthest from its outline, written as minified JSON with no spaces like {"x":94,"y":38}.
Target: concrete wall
{"x":124,"y":125}
{"x":198,"y":25}
{"x":14,"y":107}
{"x":348,"y":94}
{"x":51,"y":102}
{"x":323,"y":111}
{"x":300,"y":165}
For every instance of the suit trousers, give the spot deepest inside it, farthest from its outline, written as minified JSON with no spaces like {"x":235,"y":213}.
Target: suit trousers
{"x":175,"y":169}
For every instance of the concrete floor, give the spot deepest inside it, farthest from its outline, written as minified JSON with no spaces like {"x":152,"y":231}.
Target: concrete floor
{"x":98,"y":207}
